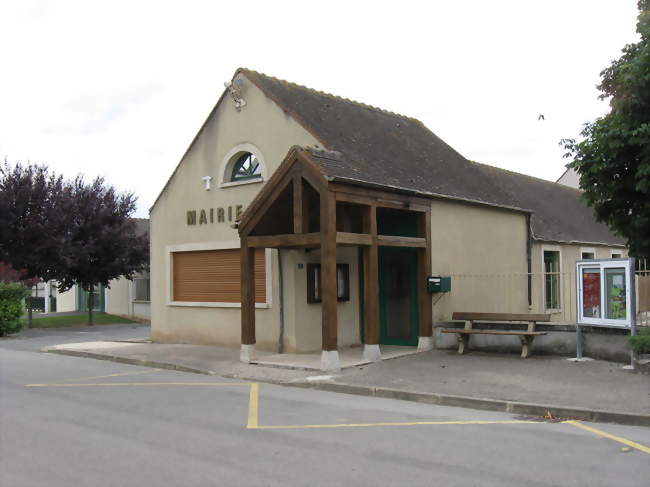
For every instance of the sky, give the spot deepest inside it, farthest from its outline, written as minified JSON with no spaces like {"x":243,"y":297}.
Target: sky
{"x":118,"y":89}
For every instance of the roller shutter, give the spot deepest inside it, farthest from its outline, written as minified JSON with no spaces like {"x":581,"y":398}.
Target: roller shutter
{"x":214,"y":276}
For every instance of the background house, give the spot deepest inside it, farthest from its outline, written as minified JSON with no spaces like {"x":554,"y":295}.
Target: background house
{"x":128,"y":298}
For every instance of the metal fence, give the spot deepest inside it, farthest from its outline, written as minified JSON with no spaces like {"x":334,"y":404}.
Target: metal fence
{"x":509,"y":293}
{"x":643,"y":292}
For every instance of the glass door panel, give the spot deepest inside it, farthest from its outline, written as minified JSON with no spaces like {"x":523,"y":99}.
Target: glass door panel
{"x":591,"y":293}
{"x":615,"y":294}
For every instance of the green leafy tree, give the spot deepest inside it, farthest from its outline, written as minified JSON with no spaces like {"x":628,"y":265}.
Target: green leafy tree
{"x":613,"y":157}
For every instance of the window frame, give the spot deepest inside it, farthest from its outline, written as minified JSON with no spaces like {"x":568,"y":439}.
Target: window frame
{"x":618,"y":253}
{"x":239,"y":162}
{"x":313,"y":269}
{"x":587,"y":250}
{"x":229,"y":160}
{"x":222,"y":245}
{"x":552,"y":248}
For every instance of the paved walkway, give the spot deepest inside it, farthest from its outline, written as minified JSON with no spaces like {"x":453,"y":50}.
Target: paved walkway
{"x":594,"y":390}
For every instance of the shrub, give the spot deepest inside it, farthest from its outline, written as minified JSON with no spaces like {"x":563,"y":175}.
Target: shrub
{"x":641,"y":342}
{"x":11,"y":307}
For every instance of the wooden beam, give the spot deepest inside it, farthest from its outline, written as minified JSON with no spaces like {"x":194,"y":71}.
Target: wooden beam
{"x":362,"y":199}
{"x":298,"y":220}
{"x":346,"y":238}
{"x":382,"y":197}
{"x":329,"y":301}
{"x":462,"y":315}
{"x":393,"y":241}
{"x":425,"y":311}
{"x":247,"y":262}
{"x":296,"y":240}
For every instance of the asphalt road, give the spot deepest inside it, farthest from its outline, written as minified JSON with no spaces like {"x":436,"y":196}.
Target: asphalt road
{"x":75,"y":421}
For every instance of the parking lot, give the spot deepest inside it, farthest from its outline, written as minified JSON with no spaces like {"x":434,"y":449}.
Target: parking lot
{"x":64,"y":420}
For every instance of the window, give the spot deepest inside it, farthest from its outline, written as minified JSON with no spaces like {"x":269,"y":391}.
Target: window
{"x":214,"y":276}
{"x":616,"y":255}
{"x":314,"y":283}
{"x":587,"y":253}
{"x":142,"y":289}
{"x":245,"y":167}
{"x":552,"y":279}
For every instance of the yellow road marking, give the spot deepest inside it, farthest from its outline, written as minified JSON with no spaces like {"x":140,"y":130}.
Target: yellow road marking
{"x":120,"y":374}
{"x":598,"y":432}
{"x":410,"y":423}
{"x":253,"y":407}
{"x":118,"y":384}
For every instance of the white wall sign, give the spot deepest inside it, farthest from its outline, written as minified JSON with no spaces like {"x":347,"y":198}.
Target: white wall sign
{"x":605,"y":292}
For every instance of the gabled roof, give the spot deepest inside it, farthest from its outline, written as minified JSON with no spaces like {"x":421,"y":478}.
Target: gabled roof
{"x":369,"y":146}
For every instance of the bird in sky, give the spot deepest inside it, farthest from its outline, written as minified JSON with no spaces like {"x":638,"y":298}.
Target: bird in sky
{"x":541,"y":117}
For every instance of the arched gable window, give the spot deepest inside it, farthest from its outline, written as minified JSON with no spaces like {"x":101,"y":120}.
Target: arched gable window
{"x":245,"y":167}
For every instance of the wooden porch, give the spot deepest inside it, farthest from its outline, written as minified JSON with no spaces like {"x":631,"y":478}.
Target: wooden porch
{"x":300,"y":208}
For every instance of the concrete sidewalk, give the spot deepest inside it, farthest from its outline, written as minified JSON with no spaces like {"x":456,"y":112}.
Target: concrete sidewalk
{"x":537,"y":386}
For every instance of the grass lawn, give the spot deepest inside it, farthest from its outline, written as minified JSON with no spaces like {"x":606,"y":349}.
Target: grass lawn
{"x":75,"y":320}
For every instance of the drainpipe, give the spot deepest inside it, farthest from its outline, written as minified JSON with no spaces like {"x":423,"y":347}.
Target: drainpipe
{"x":281,"y":299}
{"x":529,"y":261}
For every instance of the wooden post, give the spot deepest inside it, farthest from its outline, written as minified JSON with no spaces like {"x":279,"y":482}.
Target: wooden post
{"x":371,"y":287}
{"x":247,"y":353}
{"x":298,"y":208}
{"x":425,"y":325}
{"x":329,"y":360}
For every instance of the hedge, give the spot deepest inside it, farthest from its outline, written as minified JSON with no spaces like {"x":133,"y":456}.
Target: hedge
{"x":11,"y":307}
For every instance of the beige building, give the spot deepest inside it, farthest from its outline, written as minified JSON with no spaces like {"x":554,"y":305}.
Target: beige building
{"x":325,"y":190}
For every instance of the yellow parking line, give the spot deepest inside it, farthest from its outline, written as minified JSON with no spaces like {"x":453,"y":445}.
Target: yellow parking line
{"x":598,"y":432}
{"x":409,"y":423}
{"x":253,"y":407}
{"x":122,"y":384}
{"x":120,"y":374}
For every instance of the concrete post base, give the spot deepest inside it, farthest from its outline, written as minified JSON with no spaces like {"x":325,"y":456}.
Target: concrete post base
{"x":425,"y":343}
{"x":247,"y":353}
{"x":329,"y":361}
{"x":371,"y":353}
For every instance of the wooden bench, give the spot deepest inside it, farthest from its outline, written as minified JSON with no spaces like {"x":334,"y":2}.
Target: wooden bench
{"x":526,"y":336}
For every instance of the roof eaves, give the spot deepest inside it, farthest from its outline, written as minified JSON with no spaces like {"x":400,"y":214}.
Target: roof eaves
{"x":368,"y":184}
{"x":578,"y":242}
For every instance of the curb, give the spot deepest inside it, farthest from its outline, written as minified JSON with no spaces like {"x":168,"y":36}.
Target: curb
{"x":130,"y":361}
{"x":512,"y":407}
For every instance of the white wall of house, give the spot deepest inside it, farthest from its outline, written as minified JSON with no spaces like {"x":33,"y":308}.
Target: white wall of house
{"x":67,"y":301}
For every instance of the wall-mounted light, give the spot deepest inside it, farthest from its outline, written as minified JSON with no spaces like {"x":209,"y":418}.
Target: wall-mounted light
{"x":235,"y":92}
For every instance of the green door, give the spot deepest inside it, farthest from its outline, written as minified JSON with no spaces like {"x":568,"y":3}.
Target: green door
{"x":98,"y":303}
{"x":398,"y":310}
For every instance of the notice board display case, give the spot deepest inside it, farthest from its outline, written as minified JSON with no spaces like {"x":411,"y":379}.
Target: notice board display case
{"x":605,"y":292}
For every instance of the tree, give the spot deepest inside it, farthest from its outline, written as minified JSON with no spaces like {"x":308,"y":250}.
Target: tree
{"x":101,"y":242}
{"x":71,"y":232}
{"x":32,"y":223}
{"x":613,"y":159}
